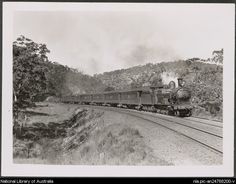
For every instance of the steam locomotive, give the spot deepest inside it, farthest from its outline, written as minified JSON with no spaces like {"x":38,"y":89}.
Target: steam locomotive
{"x":164,"y":99}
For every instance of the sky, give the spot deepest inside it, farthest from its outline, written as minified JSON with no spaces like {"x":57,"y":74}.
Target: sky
{"x":100,"y":41}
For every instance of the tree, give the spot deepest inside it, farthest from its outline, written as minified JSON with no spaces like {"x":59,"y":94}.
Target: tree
{"x":218,"y":56}
{"x":29,"y":71}
{"x":56,"y":83}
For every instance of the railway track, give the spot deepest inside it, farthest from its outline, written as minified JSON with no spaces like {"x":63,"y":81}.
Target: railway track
{"x":206,"y":121}
{"x":207,"y":133}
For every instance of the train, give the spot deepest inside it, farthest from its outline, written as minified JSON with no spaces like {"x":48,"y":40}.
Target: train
{"x":165,"y":99}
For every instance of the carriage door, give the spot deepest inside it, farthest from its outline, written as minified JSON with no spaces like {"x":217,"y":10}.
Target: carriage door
{"x":139,"y":97}
{"x":155,"y":97}
{"x":152,"y":93}
{"x":119,"y":98}
{"x":159,"y":97}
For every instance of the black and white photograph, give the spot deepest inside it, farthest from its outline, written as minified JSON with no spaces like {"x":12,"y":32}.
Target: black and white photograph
{"x":118,"y":89}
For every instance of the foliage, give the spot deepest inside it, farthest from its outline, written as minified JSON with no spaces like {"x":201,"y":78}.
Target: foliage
{"x":29,"y":79}
{"x":218,"y":56}
{"x":56,"y":79}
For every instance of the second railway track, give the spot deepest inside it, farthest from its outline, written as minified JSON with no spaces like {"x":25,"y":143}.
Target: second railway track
{"x":207,"y":134}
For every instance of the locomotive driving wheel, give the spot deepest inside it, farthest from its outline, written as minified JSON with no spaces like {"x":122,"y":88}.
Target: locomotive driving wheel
{"x":189,"y":113}
{"x":177,"y":113}
{"x":183,"y":113}
{"x":171,"y":112}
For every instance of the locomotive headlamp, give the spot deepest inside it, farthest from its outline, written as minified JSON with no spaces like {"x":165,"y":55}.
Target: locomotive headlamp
{"x":181,"y":82}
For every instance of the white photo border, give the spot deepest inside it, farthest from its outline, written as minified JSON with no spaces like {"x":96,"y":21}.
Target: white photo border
{"x":11,"y":169}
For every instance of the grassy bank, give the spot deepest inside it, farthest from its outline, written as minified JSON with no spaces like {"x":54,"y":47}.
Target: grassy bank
{"x":84,"y":139}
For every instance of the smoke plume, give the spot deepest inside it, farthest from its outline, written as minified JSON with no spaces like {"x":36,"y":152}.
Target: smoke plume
{"x":169,"y":76}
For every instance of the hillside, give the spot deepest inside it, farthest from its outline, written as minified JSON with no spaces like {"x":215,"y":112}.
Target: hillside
{"x":68,"y":81}
{"x":205,"y":81}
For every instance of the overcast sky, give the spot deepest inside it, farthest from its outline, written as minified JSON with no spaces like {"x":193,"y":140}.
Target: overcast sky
{"x":99,"y":41}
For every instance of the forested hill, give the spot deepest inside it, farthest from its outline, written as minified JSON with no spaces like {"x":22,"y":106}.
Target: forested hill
{"x":205,"y":80}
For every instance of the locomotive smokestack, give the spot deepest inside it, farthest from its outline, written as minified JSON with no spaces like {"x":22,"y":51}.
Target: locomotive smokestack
{"x":180,"y":82}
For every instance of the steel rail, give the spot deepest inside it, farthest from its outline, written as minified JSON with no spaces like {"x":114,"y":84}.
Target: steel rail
{"x":129,"y":112}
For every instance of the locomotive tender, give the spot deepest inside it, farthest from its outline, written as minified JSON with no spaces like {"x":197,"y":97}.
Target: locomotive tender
{"x":162,"y":99}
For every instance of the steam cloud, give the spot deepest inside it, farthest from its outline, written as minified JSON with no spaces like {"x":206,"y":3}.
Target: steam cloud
{"x":169,"y":76}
